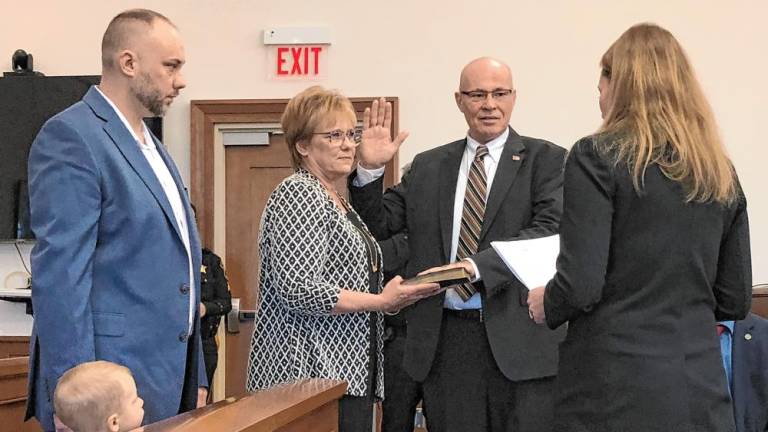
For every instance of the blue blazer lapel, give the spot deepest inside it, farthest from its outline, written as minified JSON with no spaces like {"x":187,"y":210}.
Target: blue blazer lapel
{"x":447,"y":192}
{"x":509,"y":163}
{"x":115,"y":128}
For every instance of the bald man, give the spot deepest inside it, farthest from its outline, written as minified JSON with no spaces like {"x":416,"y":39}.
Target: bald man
{"x":117,"y":259}
{"x":484,"y":364}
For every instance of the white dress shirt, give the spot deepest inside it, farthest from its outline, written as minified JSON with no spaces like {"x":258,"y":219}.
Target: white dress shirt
{"x":491,"y":161}
{"x":149,"y":149}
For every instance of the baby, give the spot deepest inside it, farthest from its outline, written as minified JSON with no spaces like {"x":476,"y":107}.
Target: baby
{"x":98,"y":396}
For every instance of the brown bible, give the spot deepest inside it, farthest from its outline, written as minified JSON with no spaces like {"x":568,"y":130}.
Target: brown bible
{"x":446,"y":278}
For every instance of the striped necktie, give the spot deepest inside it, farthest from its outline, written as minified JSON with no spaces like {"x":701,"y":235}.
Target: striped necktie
{"x":472,"y":215}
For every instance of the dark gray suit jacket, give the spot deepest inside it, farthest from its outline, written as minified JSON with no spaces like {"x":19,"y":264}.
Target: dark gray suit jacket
{"x":525,"y":201}
{"x":750,"y":374}
{"x":641,"y":279}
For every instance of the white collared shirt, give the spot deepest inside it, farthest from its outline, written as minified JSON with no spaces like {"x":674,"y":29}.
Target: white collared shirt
{"x":163,"y":174}
{"x":490,"y":162}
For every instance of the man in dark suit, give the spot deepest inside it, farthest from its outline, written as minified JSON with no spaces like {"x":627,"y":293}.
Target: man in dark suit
{"x":745,"y":358}
{"x":117,"y":255}
{"x":484,"y":364}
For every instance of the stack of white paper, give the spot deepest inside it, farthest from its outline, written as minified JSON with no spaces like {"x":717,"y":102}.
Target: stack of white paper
{"x":531,"y":261}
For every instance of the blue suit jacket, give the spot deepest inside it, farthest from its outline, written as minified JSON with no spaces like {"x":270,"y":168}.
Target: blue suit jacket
{"x":110,"y":271}
{"x":750,"y":374}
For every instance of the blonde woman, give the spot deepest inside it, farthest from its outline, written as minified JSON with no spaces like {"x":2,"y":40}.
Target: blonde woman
{"x":654,"y":250}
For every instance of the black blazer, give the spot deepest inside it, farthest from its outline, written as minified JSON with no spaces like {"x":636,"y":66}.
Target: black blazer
{"x":750,"y":374}
{"x":524,"y":201}
{"x":641,"y":280}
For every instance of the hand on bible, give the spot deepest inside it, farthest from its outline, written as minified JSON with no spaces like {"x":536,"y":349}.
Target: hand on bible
{"x":397,"y":295}
{"x":377,"y":147}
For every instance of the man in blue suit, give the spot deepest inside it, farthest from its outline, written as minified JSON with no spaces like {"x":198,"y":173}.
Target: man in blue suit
{"x":744,"y":346}
{"x":117,"y":259}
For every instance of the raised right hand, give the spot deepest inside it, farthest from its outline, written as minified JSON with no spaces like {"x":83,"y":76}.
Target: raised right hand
{"x":377,"y":147}
{"x":396,"y":295}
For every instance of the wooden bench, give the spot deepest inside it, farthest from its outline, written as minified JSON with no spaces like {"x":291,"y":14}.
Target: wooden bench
{"x":13,"y":395}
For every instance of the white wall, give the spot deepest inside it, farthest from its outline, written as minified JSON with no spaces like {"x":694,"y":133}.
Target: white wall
{"x":415,"y":50}
{"x":14,"y":320}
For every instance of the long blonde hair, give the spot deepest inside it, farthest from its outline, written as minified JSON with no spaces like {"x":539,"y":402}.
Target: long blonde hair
{"x":658,"y":114}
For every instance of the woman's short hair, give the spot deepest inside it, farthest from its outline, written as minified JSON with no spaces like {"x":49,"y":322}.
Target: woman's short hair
{"x":658,"y":114}
{"x":88,"y":394}
{"x":307,"y":111}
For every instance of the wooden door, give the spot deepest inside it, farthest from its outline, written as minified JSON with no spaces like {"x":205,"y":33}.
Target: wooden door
{"x":251,"y":173}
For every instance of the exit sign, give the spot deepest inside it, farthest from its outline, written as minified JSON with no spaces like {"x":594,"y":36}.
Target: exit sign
{"x":298,"y":53}
{"x":297,"y":62}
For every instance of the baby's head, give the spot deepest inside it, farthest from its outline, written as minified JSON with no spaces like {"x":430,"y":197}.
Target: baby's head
{"x":98,"y":396}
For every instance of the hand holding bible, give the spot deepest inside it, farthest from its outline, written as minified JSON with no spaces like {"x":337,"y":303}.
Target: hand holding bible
{"x":397,"y":295}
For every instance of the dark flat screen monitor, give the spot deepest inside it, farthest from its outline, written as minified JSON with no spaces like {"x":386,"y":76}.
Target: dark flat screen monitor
{"x":26,"y":103}
{"x":23,"y":229}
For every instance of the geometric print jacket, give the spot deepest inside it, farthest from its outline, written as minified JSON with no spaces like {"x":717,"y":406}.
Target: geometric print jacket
{"x":309,"y":252}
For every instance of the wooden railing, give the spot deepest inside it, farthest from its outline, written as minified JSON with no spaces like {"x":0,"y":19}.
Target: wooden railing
{"x":304,"y":406}
{"x":307,"y":405}
{"x":14,"y":346}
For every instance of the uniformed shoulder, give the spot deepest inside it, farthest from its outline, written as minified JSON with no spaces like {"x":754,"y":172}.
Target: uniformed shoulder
{"x":210,"y":258}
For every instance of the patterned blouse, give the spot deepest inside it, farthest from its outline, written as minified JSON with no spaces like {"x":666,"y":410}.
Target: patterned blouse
{"x":309,"y":252}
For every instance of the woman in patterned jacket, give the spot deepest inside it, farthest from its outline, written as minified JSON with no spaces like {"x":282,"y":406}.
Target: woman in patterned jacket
{"x":320,"y":284}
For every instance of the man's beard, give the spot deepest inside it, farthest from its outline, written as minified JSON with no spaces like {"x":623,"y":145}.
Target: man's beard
{"x":149,"y":96}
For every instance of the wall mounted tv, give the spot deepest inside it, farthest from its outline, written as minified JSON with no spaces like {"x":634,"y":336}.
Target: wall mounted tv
{"x":26,"y":102}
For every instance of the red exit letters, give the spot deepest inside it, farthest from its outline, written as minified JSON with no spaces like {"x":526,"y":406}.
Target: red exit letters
{"x":298,"y":61}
